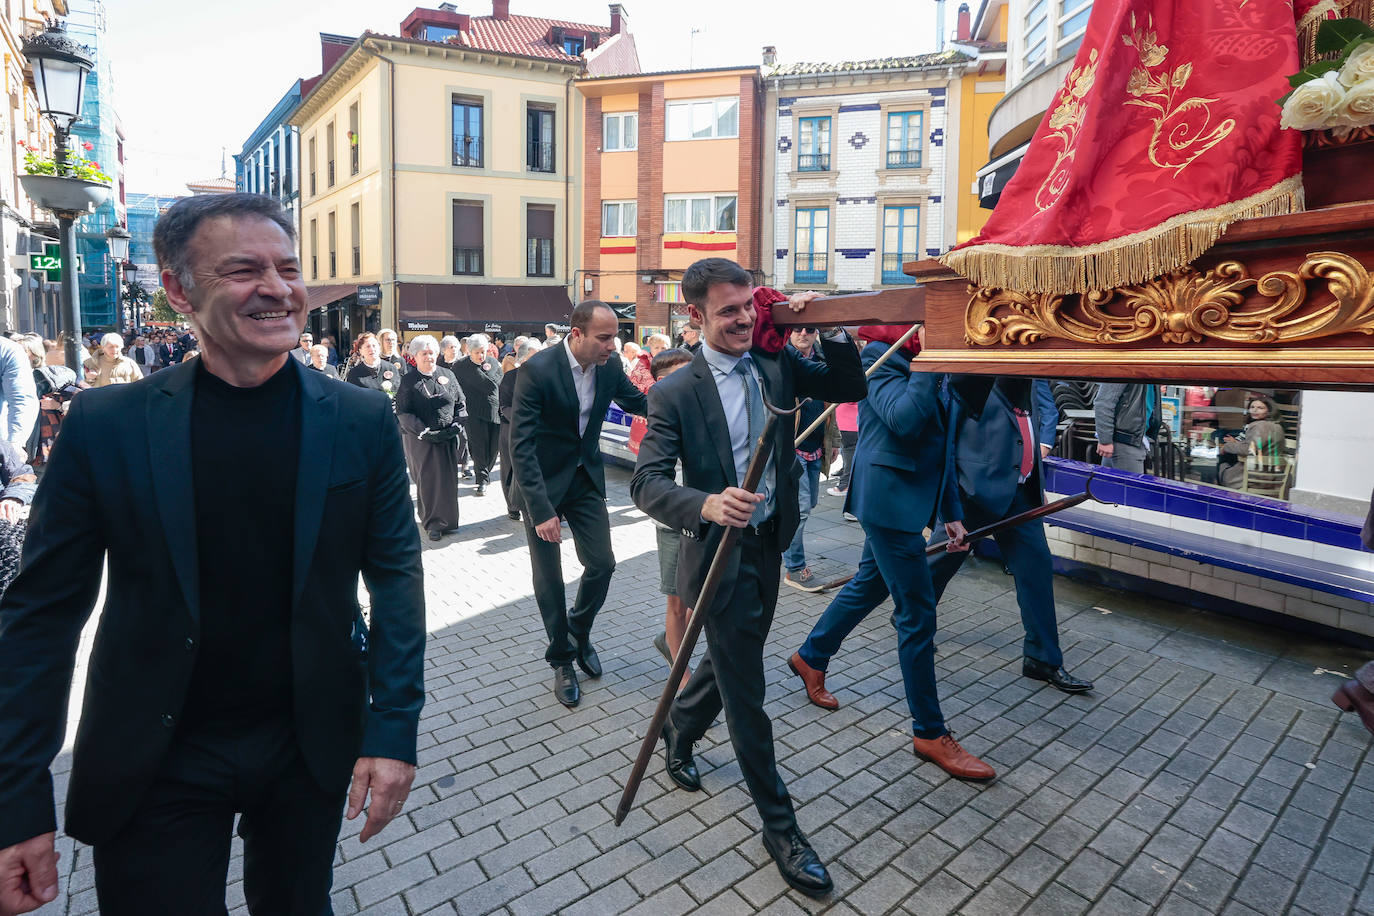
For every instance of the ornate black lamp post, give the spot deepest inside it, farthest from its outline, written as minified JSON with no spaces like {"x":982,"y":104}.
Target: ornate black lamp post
{"x":118,"y":238}
{"x":60,"y":66}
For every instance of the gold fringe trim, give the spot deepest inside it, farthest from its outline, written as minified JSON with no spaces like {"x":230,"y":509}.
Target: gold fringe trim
{"x":1312,"y":21}
{"x":1134,"y":258}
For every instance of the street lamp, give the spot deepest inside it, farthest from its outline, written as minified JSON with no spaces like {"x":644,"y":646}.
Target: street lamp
{"x":118,"y":238}
{"x":60,"y":66}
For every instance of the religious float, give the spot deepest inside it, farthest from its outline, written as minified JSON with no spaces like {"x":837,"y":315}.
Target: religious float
{"x":1195,"y":209}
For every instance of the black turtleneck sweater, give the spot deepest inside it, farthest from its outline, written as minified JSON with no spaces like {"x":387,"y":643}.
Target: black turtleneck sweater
{"x":245,"y":443}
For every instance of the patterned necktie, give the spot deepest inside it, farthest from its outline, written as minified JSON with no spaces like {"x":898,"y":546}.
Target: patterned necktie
{"x":753,"y":408}
{"x":1027,"y":442}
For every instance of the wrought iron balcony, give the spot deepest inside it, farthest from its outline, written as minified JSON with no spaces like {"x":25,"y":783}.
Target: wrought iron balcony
{"x":904,"y":158}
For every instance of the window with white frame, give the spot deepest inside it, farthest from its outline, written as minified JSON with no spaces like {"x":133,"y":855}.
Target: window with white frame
{"x":702,"y":119}
{"x":705,"y":213}
{"x":618,"y":218}
{"x":1051,"y":29}
{"x":621,"y":132}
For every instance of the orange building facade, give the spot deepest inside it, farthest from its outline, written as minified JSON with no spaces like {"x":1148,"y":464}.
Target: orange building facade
{"x":671,"y":165}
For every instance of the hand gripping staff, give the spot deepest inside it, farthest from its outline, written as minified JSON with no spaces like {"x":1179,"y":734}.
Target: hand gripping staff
{"x":757,"y":463}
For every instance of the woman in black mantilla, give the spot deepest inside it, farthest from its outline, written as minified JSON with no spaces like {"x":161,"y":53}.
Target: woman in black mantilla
{"x":429,"y":405}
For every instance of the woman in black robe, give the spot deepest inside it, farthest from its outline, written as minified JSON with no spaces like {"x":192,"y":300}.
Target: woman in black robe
{"x":429,"y":405}
{"x":371,"y":371}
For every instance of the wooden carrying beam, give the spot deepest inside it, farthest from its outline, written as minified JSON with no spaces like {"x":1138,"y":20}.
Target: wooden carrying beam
{"x":888,"y":306}
{"x":1279,"y":301}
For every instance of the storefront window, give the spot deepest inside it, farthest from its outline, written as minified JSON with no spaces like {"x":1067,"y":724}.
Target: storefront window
{"x":1241,"y":439}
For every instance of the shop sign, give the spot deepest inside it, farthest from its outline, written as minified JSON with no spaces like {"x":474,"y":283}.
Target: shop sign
{"x":370,"y":295}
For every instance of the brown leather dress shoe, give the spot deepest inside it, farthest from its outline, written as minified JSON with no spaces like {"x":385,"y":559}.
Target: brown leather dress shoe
{"x":948,"y":755}
{"x":814,"y":681}
{"x":1353,"y":697}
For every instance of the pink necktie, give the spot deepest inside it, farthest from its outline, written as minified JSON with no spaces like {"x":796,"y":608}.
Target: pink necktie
{"x":1027,"y":442}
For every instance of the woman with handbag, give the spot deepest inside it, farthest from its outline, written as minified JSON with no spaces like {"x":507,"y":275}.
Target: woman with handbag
{"x":429,"y":405}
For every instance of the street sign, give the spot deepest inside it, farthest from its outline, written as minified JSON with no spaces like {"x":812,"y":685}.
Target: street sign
{"x":370,"y":294}
{"x":50,"y":262}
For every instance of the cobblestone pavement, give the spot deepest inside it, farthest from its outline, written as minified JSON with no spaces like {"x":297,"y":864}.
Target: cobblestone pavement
{"x":1207,"y":773}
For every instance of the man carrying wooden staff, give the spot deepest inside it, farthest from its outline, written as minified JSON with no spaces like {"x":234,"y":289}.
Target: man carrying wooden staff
{"x":708,"y":416}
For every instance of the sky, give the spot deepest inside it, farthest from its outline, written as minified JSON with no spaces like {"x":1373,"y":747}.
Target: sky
{"x":191,"y":79}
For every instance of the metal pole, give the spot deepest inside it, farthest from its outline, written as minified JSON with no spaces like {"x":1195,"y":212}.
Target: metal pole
{"x":71,"y":294}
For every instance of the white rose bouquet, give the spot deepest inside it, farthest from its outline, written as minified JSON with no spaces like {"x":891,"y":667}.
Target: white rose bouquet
{"x":1337,"y":93}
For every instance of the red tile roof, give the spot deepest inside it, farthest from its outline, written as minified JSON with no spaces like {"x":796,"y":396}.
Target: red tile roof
{"x":525,"y":35}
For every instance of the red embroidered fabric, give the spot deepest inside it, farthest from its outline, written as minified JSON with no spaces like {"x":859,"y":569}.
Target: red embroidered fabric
{"x":1164,"y":133}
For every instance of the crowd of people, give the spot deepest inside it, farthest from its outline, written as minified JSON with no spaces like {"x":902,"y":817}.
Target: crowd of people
{"x":248,"y":682}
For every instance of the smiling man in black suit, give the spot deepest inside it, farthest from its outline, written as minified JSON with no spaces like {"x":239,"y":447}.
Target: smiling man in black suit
{"x":708,"y":416}
{"x":233,"y":502}
{"x":561,"y":398}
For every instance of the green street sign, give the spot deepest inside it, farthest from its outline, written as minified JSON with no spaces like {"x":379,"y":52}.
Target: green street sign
{"x":50,"y":262}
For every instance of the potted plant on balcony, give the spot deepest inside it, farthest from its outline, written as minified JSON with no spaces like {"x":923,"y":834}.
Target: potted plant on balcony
{"x":71,"y":182}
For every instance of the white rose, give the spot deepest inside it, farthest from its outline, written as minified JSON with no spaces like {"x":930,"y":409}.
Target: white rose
{"x":1357,"y":108}
{"x":1313,"y":104}
{"x":1359,"y":66}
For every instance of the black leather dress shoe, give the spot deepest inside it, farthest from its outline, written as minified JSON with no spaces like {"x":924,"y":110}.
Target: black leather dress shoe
{"x":677,"y":753}
{"x":481,"y":489}
{"x":513,"y":515}
{"x":798,"y":862}
{"x":587,"y":659}
{"x":1057,"y":677}
{"x":565,"y":689}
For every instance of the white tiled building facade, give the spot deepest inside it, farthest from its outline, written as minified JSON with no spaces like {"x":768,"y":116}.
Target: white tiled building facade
{"x":857,"y":171}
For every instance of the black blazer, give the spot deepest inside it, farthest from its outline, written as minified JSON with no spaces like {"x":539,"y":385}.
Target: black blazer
{"x":544,"y":444}
{"x":480,"y":387}
{"x":119,"y":446}
{"x":687,"y":423}
{"x":505,"y":394}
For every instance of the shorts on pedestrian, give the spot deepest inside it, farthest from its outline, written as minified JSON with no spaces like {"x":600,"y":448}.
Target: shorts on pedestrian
{"x":669,"y":540}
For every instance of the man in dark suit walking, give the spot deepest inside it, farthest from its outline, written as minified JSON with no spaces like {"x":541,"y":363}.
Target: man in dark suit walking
{"x":899,"y":471}
{"x":480,"y":378}
{"x":233,"y":502}
{"x":708,"y":416}
{"x":561,"y":398}
{"x":994,"y":465}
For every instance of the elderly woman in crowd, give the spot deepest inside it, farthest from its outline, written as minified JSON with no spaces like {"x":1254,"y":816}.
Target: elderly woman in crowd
{"x":110,"y":366}
{"x":54,"y":385}
{"x":370,"y":370}
{"x":480,"y":377}
{"x":319,"y":361}
{"x":1263,"y":436}
{"x":449,"y":352}
{"x":429,"y":404}
{"x":511,"y":359}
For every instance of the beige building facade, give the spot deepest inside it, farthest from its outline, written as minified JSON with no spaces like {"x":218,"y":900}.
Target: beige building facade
{"x":445,"y":177}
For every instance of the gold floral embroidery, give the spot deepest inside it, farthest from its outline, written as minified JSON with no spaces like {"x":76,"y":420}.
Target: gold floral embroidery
{"x":1183,"y":126}
{"x":1066,"y":120}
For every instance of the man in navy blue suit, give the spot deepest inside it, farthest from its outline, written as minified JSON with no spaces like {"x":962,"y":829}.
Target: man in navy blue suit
{"x":993,"y":464}
{"x":894,"y":491}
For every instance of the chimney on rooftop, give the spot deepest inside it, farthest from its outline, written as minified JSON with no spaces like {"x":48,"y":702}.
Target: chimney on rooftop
{"x":620,"y":20}
{"x":964,"y":23}
{"x":448,"y":8}
{"x":500,"y":9}
{"x":770,"y":55}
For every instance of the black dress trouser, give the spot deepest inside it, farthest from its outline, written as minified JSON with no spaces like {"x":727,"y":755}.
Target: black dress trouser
{"x":507,"y":469}
{"x":482,"y":443}
{"x":585,"y":509}
{"x":730,"y":676}
{"x":173,"y":857}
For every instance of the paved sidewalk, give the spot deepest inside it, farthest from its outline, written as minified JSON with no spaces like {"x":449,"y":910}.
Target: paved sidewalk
{"x":1207,"y":773}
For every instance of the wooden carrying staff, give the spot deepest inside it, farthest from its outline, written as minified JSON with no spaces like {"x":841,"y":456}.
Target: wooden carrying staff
{"x":757,"y":463}
{"x":1030,"y":515}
